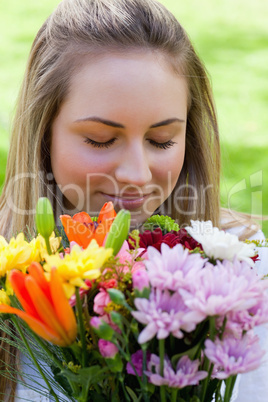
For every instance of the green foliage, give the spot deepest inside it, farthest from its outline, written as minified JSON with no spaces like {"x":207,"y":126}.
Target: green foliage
{"x":165,"y":223}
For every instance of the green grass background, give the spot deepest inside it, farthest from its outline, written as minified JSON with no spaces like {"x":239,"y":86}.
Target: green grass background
{"x":230,"y":36}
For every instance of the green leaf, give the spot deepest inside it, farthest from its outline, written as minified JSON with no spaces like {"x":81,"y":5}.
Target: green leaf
{"x":191,"y":353}
{"x":61,"y":379}
{"x":104,"y":331}
{"x":132,"y":394}
{"x":86,"y":377}
{"x":116,"y":318}
{"x":117,"y":296}
{"x":115,"y":364}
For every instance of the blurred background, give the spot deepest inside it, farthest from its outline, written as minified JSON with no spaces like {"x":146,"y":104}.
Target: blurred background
{"x":230,"y":36}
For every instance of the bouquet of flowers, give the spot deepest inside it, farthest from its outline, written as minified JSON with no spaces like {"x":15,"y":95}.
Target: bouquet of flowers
{"x":108,"y":315}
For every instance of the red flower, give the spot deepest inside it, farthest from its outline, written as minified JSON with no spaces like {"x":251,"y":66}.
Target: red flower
{"x":156,"y":238}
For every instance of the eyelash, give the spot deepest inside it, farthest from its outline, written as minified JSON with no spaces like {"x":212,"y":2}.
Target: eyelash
{"x":163,"y":145}
{"x":95,"y":144}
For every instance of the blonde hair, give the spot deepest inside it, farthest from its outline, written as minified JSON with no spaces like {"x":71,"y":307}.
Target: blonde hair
{"x":8,"y":364}
{"x":82,"y":28}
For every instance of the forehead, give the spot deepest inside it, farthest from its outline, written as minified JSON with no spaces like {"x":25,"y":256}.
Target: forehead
{"x":131,"y":80}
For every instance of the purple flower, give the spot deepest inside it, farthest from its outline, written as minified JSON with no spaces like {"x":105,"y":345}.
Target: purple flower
{"x":221,"y":289}
{"x":107,"y":349}
{"x":137,"y":362}
{"x":140,"y":280}
{"x":173,"y":267}
{"x":164,"y":314}
{"x":186,"y":372}
{"x":232,"y":356}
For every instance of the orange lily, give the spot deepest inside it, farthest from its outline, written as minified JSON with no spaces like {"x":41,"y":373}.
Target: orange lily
{"x":46,"y":308}
{"x":81,"y":228}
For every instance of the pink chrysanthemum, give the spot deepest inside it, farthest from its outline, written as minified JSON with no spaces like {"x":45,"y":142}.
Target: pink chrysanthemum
{"x":245,"y":320}
{"x":172,"y":268}
{"x":232,"y":356}
{"x":224,"y":288}
{"x":164,"y":314}
{"x":186,"y":372}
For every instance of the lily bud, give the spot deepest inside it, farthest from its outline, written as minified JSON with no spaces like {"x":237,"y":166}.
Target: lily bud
{"x":44,"y":217}
{"x":118,"y":231}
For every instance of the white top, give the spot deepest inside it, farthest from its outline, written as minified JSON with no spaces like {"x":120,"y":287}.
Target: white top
{"x":252,"y":386}
{"x":34,"y":380}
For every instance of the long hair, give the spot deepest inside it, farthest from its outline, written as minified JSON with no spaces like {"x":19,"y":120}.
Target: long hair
{"x":84,"y":28}
{"x":80,"y":29}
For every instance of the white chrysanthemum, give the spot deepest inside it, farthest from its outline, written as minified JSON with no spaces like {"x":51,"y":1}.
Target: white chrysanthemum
{"x":218,"y":244}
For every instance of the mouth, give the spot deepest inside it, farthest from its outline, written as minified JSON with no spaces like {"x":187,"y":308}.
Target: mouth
{"x":128,"y":201}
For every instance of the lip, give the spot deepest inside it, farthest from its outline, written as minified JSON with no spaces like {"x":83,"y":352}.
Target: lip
{"x":127,"y":200}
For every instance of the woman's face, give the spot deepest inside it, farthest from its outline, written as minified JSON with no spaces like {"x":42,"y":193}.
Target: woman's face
{"x":120,"y":134}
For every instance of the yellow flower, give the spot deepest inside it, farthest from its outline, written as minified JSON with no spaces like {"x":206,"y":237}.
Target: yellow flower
{"x":79,"y":265}
{"x":15,"y":254}
{"x":4,"y":299}
{"x":39,"y":249}
{"x":3,"y":243}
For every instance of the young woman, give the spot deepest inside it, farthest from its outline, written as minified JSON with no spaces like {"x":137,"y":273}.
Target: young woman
{"x":115,"y":106}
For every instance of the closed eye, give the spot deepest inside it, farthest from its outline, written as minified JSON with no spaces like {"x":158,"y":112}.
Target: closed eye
{"x":107,"y":144}
{"x":162,"y":145}
{"x":96,"y":144}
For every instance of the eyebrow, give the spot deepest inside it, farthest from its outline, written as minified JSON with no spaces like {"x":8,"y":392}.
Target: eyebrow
{"x":119,"y":125}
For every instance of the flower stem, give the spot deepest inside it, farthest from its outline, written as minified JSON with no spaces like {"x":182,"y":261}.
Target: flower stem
{"x":162,"y":355}
{"x":174,"y":394}
{"x":212,"y":328}
{"x":121,"y":379}
{"x":48,"y":245}
{"x":162,"y":362}
{"x":217,"y":395}
{"x":227,"y":390}
{"x":14,"y":319}
{"x":81,"y":326}
{"x":144,"y":368}
{"x":230,"y":382}
{"x":209,"y":368}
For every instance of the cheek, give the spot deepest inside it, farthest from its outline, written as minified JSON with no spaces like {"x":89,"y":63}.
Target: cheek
{"x":167,"y":172}
{"x":77,"y":165}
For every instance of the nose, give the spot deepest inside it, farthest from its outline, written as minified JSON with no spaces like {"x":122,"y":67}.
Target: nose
{"x":134,"y":167}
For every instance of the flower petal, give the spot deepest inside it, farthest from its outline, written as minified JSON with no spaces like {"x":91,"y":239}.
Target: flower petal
{"x":37,"y":326}
{"x":77,"y":231}
{"x":106,"y":212}
{"x":62,"y":307}
{"x":83,"y":217}
{"x":17,"y":280}
{"x":36,"y":271}
{"x":45,"y":309}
